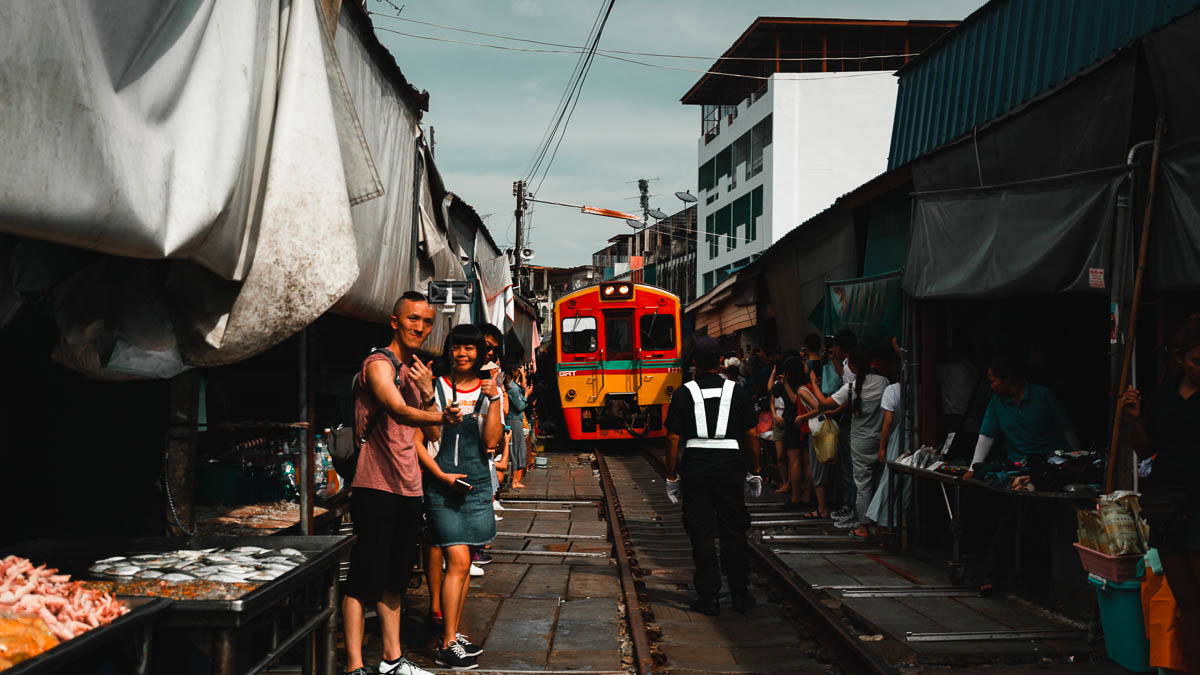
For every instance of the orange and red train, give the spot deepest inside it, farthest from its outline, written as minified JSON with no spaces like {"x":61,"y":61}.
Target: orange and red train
{"x":617,"y":355}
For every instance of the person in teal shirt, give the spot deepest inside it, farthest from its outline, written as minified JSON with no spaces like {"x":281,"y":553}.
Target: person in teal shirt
{"x":1029,"y":417}
{"x":1032,"y":421}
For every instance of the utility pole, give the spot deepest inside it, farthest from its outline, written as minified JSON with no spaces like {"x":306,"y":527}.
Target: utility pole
{"x":519,"y":213}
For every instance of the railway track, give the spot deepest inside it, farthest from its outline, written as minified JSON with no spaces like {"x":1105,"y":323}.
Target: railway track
{"x":790,"y":630}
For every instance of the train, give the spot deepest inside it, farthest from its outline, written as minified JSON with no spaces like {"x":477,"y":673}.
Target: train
{"x":617,"y":360}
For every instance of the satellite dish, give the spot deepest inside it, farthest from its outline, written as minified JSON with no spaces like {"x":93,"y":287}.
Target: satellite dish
{"x":686,"y":197}
{"x":635,"y":224}
{"x":658,"y":215}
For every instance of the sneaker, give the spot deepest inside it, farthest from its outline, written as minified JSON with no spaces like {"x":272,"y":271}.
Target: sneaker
{"x":455,"y":657}
{"x":499,"y":517}
{"x":358,"y":671}
{"x":476,"y":570}
{"x":481,"y":558}
{"x":470,"y":648}
{"x":743,"y":601}
{"x":401,"y":667}
{"x":842,"y":512}
{"x":706,"y":606}
{"x":496,"y":506}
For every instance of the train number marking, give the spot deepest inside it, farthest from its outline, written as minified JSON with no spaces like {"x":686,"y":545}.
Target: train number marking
{"x":568,"y":373}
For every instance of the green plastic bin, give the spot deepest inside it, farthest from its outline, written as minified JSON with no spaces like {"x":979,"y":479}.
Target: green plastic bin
{"x":1121,"y":615}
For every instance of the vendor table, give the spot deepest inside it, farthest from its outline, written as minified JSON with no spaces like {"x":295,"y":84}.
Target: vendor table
{"x":306,"y":598}
{"x":953,"y":506}
{"x":68,"y":656}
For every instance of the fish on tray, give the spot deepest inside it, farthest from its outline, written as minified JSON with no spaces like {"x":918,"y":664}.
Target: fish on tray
{"x":252,"y":564}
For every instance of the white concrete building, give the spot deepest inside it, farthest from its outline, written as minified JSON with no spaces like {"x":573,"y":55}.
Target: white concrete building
{"x":778,"y":147}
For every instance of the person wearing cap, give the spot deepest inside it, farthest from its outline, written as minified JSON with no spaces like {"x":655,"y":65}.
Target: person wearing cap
{"x":714,"y":419}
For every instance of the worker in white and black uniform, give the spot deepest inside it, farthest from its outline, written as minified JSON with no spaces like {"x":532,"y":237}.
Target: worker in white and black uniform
{"x":715,"y":421}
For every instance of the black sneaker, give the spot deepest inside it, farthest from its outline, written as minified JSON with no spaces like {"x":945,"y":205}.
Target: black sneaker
{"x":469,"y":647}
{"x":455,"y":657}
{"x":481,"y":557}
{"x":358,"y":671}
{"x":743,"y":601}
{"x":707,"y":606}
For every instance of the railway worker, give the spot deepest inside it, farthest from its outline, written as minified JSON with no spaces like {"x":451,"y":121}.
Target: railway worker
{"x":718,"y":436}
{"x":386,"y":504}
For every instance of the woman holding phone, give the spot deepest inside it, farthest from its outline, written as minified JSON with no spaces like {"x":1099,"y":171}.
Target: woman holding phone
{"x":458,"y":495}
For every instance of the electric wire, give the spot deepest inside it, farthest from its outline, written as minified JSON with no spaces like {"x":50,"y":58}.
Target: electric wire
{"x":590,"y":59}
{"x":560,"y":108}
{"x":822,"y":76}
{"x":655,"y":54}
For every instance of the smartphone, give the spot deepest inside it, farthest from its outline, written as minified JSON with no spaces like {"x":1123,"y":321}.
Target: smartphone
{"x":462,"y":484}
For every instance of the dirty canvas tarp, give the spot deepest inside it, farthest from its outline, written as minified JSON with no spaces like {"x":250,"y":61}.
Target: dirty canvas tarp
{"x":796,"y":275}
{"x":214,"y":133}
{"x":1047,"y":236}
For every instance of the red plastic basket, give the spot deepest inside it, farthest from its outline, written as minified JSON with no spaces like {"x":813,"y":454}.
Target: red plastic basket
{"x":1112,"y":567}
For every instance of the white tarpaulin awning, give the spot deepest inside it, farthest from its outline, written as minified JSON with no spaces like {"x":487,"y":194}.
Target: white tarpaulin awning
{"x":220,"y":134}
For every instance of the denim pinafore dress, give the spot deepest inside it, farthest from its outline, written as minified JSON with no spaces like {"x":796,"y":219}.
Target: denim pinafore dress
{"x":457,"y":518}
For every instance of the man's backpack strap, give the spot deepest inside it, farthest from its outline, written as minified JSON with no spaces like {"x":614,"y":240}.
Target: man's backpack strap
{"x":378,"y":416}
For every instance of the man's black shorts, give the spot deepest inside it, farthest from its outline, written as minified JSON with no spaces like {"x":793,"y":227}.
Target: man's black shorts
{"x":389,"y":529}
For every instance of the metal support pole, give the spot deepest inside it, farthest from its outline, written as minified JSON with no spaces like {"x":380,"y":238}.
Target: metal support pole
{"x":304,"y":466}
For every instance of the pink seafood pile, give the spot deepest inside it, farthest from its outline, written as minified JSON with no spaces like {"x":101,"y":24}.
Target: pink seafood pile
{"x":67,"y":607}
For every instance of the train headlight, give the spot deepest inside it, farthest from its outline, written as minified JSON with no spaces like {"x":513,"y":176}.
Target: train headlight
{"x":622,"y":290}
{"x":570,"y":394}
{"x":616,"y":290}
{"x":609,"y":290}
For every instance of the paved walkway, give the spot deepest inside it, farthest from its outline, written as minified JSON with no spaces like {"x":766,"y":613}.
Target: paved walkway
{"x":533,"y":611}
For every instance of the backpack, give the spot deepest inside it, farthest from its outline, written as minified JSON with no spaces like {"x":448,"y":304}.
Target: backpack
{"x":346,"y":448}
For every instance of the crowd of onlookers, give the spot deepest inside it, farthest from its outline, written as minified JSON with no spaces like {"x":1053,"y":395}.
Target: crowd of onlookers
{"x":831,"y":387}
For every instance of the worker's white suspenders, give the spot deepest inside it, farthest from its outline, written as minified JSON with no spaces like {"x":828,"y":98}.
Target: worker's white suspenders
{"x":718,"y":439}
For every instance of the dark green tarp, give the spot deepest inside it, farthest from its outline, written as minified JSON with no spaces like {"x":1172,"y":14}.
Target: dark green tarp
{"x":1046,"y":236}
{"x":872,"y":307}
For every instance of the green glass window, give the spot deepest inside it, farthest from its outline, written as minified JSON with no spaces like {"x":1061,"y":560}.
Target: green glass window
{"x":756,"y":210}
{"x":723,"y":227}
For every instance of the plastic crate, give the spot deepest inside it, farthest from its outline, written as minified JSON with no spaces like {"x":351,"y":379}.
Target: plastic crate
{"x":1112,"y":567}
{"x":1121,"y":615}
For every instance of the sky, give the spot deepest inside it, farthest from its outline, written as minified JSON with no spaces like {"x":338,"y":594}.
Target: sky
{"x":490,"y":108}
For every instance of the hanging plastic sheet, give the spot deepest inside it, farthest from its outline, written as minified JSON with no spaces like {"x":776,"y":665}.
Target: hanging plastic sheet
{"x":216,"y":134}
{"x":383,"y":228}
{"x":1174,"y":255}
{"x":796,"y":275}
{"x":870,"y":306}
{"x":1045,"y":236}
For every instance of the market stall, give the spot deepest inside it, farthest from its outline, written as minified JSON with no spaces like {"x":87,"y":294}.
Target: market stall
{"x":235,"y":618}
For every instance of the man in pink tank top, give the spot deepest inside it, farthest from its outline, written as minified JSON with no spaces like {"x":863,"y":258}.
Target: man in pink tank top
{"x":386,"y":502}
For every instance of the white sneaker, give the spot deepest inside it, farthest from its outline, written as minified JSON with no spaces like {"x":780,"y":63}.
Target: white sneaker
{"x":499,"y":517}
{"x":402,"y":667}
{"x":496,"y":506}
{"x":476,"y":570}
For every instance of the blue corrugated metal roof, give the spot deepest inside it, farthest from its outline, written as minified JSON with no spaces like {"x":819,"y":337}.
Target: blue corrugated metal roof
{"x":1006,"y":53}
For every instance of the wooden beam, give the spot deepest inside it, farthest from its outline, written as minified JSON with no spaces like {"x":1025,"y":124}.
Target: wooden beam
{"x":333,"y":9}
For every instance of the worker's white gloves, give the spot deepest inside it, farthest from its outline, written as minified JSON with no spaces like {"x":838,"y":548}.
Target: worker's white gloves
{"x":754,"y":485}
{"x":674,"y":488}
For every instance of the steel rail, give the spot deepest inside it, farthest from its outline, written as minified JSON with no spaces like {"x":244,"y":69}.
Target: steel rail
{"x":643,"y":659}
{"x":870,"y":661}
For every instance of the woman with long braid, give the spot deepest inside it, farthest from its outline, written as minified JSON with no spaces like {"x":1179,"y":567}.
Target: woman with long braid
{"x":864,"y":396}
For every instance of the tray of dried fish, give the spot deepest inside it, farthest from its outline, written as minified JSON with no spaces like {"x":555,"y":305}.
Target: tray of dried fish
{"x":220,"y":581}
{"x":241,"y":564}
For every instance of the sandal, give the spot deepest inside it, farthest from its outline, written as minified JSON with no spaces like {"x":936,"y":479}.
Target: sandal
{"x":814,"y":515}
{"x":782,"y":489}
{"x":861,"y":534}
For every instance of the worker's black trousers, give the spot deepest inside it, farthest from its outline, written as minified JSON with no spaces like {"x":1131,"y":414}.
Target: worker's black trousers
{"x":713,"y":504}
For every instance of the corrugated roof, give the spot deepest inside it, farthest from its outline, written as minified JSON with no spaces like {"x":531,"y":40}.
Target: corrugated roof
{"x":822,"y":41}
{"x":1005,"y":54}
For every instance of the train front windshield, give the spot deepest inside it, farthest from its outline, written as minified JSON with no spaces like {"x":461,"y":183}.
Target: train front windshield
{"x":579,"y":335}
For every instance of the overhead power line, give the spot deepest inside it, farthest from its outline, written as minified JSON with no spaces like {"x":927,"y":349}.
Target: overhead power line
{"x":823,"y":76}
{"x":635,"y":53}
